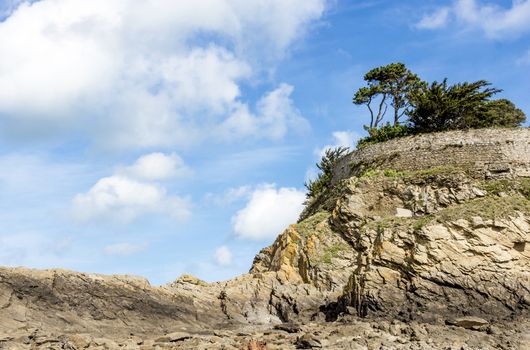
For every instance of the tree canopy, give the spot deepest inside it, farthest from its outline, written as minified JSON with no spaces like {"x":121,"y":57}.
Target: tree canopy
{"x":422,"y":107}
{"x":443,"y":107}
{"x":392,"y":84}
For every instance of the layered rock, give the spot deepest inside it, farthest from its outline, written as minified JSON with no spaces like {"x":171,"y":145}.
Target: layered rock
{"x":444,"y":248}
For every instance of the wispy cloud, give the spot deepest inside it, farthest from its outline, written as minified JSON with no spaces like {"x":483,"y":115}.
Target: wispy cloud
{"x":33,"y":248}
{"x":229,"y":196}
{"x":493,"y":20}
{"x":435,"y":20}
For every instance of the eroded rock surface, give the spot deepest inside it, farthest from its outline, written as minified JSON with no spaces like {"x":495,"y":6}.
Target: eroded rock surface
{"x":429,"y":259}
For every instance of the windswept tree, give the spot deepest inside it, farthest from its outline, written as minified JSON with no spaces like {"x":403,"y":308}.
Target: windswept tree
{"x":391,"y":84}
{"x":429,"y":107}
{"x":500,"y":113}
{"x":447,"y":107}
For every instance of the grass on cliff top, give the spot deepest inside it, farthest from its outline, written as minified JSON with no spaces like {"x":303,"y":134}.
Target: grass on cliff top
{"x":491,"y":207}
{"x":488,"y":208}
{"x":507,"y":187}
{"x":309,"y":226}
{"x":393,"y":173}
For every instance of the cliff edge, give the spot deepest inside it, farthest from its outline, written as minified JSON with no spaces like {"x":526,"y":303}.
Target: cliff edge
{"x":420,"y":243}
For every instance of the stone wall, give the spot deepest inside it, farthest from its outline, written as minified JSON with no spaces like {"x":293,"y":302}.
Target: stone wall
{"x":483,"y":153}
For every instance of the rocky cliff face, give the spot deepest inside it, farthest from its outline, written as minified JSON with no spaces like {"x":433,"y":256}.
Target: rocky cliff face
{"x":430,"y":258}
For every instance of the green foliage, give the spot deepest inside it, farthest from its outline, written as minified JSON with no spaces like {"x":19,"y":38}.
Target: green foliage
{"x":435,"y":107}
{"x":486,"y":208}
{"x":393,"y":173}
{"x":326,"y":165}
{"x":448,"y":107}
{"x":392,"y":83}
{"x":421,"y":222}
{"x":385,"y":133}
{"x":498,"y":187}
{"x":387,"y":173}
{"x":500,"y":113}
{"x":312,"y":225}
{"x":332,"y":252}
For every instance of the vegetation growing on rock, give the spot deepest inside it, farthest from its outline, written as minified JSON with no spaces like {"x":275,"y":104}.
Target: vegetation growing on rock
{"x":420,"y":107}
{"x":326,"y":166}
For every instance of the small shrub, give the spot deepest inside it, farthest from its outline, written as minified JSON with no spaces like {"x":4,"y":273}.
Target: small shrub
{"x":326,"y":166}
{"x":421,"y":223}
{"x":393,"y":173}
{"x":385,"y":133}
{"x":499,"y":186}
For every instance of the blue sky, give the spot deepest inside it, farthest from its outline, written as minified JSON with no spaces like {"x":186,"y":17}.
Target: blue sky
{"x":169,"y":137}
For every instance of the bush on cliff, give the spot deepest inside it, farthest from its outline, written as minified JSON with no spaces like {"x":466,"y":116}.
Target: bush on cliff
{"x":326,"y":166}
{"x":384,"y":133}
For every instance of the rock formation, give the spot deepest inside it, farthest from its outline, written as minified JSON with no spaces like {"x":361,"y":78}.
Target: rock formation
{"x":431,"y":254}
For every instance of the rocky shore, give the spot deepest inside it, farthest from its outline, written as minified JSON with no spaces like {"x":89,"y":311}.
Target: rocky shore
{"x":436,"y":258}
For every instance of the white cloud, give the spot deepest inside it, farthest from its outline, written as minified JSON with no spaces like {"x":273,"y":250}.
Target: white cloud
{"x":340,"y":139}
{"x":223,"y":256}
{"x":276,"y":114}
{"x":157,"y":166}
{"x":140,"y":73}
{"x":268,"y":212}
{"x":495,"y":21}
{"x":436,"y":20}
{"x":126,"y":199}
{"x":123,"y":249}
{"x":127,"y":196}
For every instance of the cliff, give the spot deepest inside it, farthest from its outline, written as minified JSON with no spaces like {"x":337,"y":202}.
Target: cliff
{"x":421,"y":243}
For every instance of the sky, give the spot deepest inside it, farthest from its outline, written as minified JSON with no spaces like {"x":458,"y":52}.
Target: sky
{"x":157,"y":138}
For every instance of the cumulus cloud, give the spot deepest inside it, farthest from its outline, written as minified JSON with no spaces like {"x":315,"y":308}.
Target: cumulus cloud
{"x":157,"y":166}
{"x":123,"y":249}
{"x":223,"y":256}
{"x":435,"y":20}
{"x":275,"y":114}
{"x":145,"y":74}
{"x":340,"y":139}
{"x":268,"y":212}
{"x":127,"y":196}
{"x":494,"y":20}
